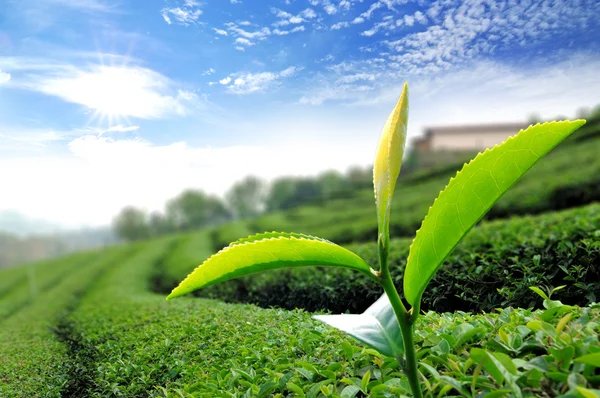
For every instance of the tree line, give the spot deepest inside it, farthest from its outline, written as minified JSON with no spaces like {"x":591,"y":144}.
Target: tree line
{"x":248,"y":198}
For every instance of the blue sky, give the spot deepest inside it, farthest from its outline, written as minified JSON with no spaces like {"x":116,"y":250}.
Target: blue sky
{"x":105,"y":103}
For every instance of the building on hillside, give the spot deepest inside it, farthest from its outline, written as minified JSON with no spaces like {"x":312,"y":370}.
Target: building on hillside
{"x":450,"y":144}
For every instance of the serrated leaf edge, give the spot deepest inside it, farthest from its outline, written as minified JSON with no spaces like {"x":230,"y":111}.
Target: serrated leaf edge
{"x":480,"y":154}
{"x":249,"y":239}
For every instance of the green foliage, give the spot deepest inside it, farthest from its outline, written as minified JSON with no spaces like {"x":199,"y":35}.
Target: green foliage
{"x":194,"y":210}
{"x":265,"y":252}
{"x":34,"y":360}
{"x":492,"y":267}
{"x":470,"y":195}
{"x":247,"y":197}
{"x":36,"y":279}
{"x":466,"y":199}
{"x":152,"y":348}
{"x":130,"y":224}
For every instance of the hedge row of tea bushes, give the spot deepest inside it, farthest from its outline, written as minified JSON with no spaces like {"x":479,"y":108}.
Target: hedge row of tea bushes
{"x":493,"y":267}
{"x":34,"y":358}
{"x":132,"y":343}
{"x":28,"y":282}
{"x":568,"y":177}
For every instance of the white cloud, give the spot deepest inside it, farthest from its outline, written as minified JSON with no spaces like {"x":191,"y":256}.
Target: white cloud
{"x":256,"y":35}
{"x":209,"y":71}
{"x":329,"y":8}
{"x":298,"y":29}
{"x":146,"y":175}
{"x":285,"y":18}
{"x":235,"y":1}
{"x":4,"y":77}
{"x":186,"y":15}
{"x":356,"y":77}
{"x":247,"y":83}
{"x":108,"y":90}
{"x":245,"y":42}
{"x":119,"y":128}
{"x":220,"y":32}
{"x":462,"y":31}
{"x":18,"y":138}
{"x":308,"y":13}
{"x":339,"y":25}
{"x":226,"y":80}
{"x":280,"y":13}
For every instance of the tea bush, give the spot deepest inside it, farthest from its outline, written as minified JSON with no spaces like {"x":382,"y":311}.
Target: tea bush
{"x":491,"y":268}
{"x":132,"y":343}
{"x":35,"y":360}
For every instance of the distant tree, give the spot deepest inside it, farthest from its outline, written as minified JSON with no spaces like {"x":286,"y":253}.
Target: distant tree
{"x":332,"y":183}
{"x":217,"y":211}
{"x":160,"y":224}
{"x":193,"y":209}
{"x":360,"y":177}
{"x":280,"y":193}
{"x":246,"y":198}
{"x":534,"y":118}
{"x":307,"y":189}
{"x":131,"y":224}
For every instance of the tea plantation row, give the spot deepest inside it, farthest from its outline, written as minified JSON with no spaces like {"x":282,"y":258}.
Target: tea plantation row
{"x":101,"y":333}
{"x":567,"y":177}
{"x":493,"y":267}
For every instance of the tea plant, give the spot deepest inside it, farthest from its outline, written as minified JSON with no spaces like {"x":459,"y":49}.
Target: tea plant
{"x":388,"y":326}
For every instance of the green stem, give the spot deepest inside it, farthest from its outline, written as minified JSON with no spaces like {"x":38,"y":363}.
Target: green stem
{"x":406,"y":326}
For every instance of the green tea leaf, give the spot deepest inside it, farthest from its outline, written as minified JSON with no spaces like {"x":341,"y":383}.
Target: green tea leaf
{"x":470,"y":194}
{"x":588,"y":393}
{"x":590,"y":359}
{"x":377,"y":327}
{"x":270,"y":251}
{"x":365,"y":381}
{"x":539,"y":291}
{"x":388,"y":160}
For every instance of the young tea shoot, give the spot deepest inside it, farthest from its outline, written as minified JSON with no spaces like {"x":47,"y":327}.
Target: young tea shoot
{"x":388,"y":325}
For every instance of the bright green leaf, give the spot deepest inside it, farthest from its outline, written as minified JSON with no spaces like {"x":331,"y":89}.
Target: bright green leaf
{"x":389,"y":160}
{"x":377,"y":327}
{"x":588,"y":393}
{"x":272,"y":251}
{"x":470,"y":194}
{"x":349,"y":392}
{"x":365,"y":381}
{"x":457,"y":385}
{"x":539,"y":291}
{"x":590,"y":359}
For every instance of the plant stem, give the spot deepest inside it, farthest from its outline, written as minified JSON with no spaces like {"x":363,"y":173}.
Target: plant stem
{"x":406,"y":326}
